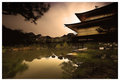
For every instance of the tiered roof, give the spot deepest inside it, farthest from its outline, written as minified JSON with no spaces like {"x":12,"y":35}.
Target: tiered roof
{"x":111,"y":8}
{"x":104,"y":17}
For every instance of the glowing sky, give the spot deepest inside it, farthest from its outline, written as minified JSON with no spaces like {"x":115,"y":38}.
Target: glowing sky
{"x":52,"y":23}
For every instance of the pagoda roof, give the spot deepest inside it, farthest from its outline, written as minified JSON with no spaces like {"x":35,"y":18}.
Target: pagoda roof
{"x":111,"y":8}
{"x":109,"y":21}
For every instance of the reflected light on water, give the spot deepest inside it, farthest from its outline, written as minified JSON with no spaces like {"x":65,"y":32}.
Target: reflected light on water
{"x":43,"y":68}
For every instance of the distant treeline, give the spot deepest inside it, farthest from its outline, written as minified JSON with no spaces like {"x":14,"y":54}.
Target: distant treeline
{"x":17,"y":37}
{"x":13,"y":37}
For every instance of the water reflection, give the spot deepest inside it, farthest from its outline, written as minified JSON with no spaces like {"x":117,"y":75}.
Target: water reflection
{"x":24,"y":64}
{"x":43,"y":68}
{"x":68,"y":69}
{"x":60,"y":63}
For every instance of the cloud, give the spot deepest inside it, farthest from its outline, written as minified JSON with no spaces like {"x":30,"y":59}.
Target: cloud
{"x":52,"y":23}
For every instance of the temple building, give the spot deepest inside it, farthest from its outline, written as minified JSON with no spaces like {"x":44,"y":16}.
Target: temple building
{"x":97,"y":23}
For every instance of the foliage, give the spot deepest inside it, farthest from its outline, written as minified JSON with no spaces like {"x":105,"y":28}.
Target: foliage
{"x":58,"y":46}
{"x":96,"y":64}
{"x":30,"y":11}
{"x":65,"y":45}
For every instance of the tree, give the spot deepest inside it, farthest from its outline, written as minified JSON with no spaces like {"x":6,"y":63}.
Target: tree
{"x":30,"y":11}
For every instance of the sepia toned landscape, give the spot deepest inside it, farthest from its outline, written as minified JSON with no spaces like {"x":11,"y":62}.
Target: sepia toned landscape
{"x":60,"y":40}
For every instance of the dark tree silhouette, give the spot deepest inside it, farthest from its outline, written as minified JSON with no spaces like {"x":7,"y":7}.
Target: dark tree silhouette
{"x":16,"y":37}
{"x":30,"y":11}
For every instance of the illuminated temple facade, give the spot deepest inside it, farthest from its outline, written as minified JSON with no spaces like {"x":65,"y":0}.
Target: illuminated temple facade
{"x":97,"y":23}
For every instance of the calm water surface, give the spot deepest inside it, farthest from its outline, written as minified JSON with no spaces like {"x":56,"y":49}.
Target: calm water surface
{"x":33,"y":64}
{"x":43,"y":68}
{"x":59,"y":64}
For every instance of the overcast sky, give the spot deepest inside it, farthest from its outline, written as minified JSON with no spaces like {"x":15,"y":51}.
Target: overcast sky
{"x":52,"y":23}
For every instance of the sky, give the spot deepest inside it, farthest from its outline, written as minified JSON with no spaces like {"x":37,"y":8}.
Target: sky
{"x":52,"y":22}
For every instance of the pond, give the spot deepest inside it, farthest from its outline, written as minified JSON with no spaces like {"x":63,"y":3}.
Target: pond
{"x":60,"y":64}
{"x":33,"y":64}
{"x":43,"y":68}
